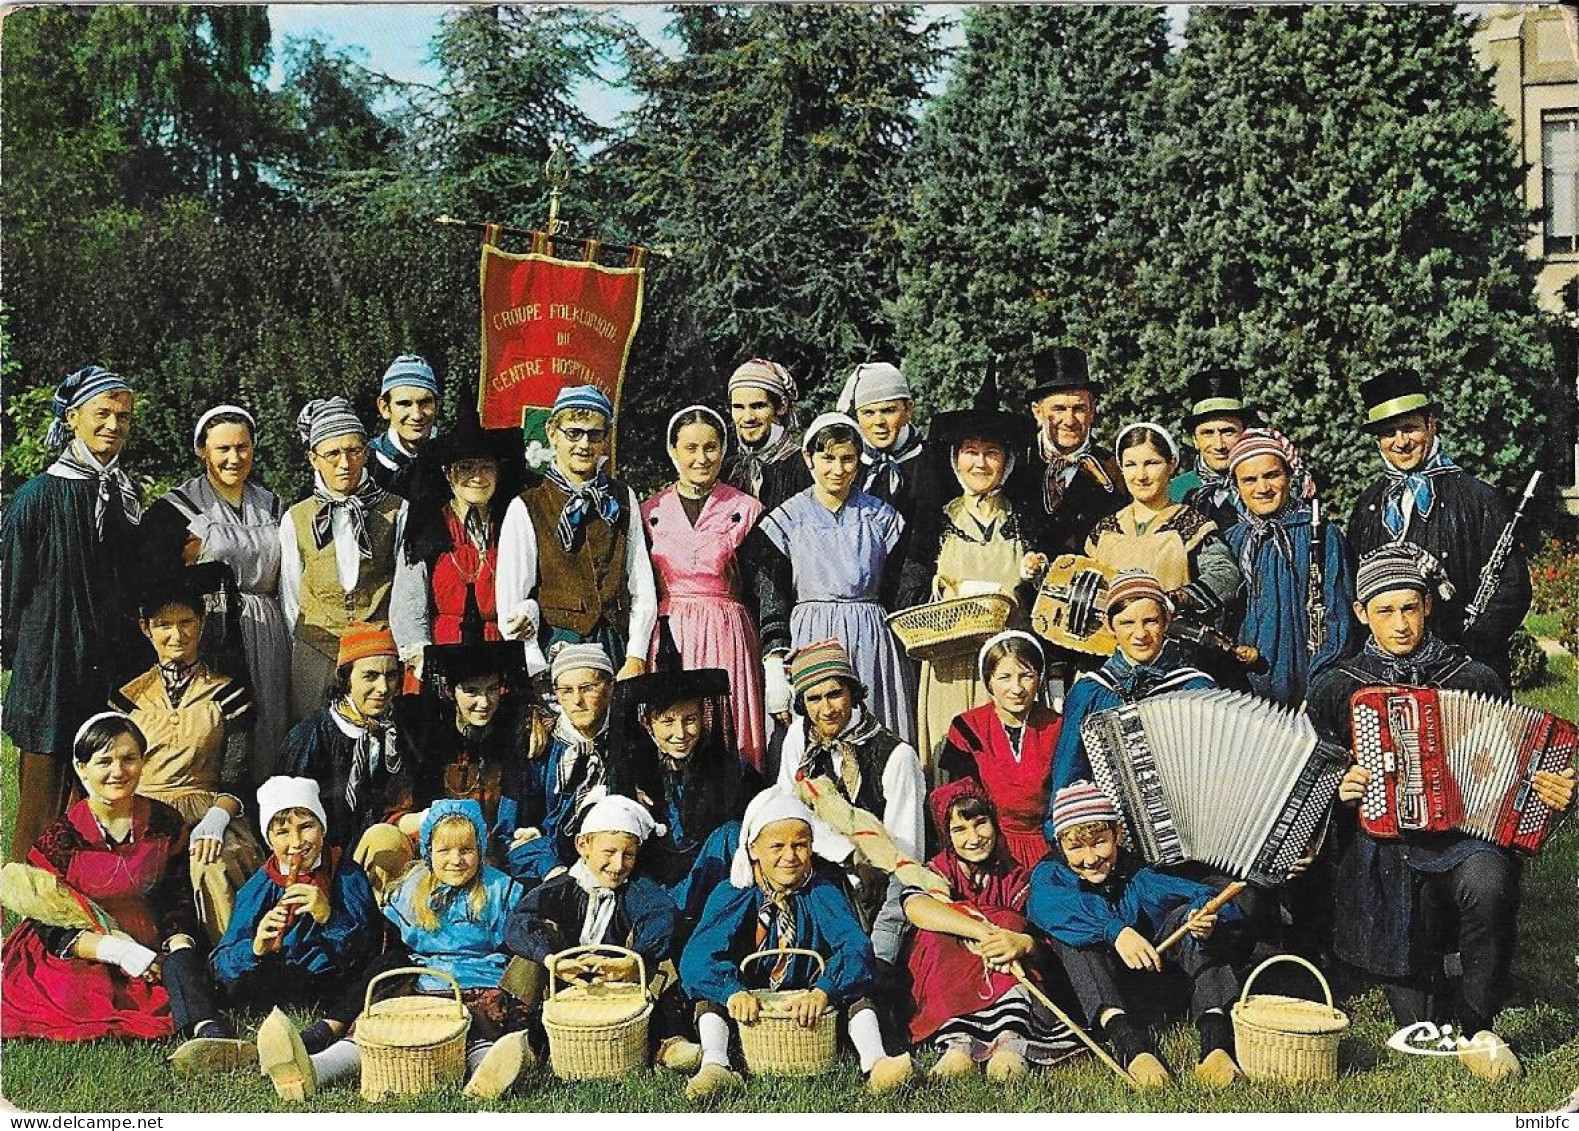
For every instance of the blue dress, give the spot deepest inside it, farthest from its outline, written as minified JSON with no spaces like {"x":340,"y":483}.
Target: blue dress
{"x":842,"y":581}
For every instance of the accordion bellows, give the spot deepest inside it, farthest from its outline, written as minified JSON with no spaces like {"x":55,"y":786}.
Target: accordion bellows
{"x":1445,"y":759}
{"x":1223,"y":778}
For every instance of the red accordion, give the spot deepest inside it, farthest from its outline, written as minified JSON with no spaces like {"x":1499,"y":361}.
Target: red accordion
{"x":1443,"y":759}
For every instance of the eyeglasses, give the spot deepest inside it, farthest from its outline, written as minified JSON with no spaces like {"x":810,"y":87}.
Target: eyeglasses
{"x":576,"y":435}
{"x":343,"y":455}
{"x":580,"y":690}
{"x":473,"y":468}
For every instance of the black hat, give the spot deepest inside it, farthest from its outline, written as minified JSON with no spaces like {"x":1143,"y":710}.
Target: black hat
{"x":669,"y":682}
{"x":984,"y":420}
{"x":1392,"y":393}
{"x":1060,"y":369}
{"x":171,"y":587}
{"x":1217,"y":392}
{"x":474,"y":655}
{"x":468,"y":439}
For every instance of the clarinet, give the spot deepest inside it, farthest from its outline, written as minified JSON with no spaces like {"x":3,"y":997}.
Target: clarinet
{"x":1315,"y":600}
{"x":1491,"y":575}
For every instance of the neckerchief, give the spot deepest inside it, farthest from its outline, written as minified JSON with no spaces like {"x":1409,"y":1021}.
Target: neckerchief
{"x":776,"y":927}
{"x":474,"y":525}
{"x":1134,"y":681}
{"x":586,"y":500}
{"x":318,"y":875}
{"x":581,"y":756}
{"x":1274,"y":530}
{"x":75,"y":462}
{"x":374,"y":748}
{"x":177,"y":678}
{"x":368,"y":494}
{"x":888,"y":462}
{"x":1413,"y":493}
{"x":836,"y":758}
{"x":1062,"y":468}
{"x":1413,"y":668}
{"x":754,"y":461}
{"x":1215,"y":485}
{"x":600,"y":904}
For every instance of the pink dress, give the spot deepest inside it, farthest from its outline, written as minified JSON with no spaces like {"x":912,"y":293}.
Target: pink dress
{"x":698,"y":588}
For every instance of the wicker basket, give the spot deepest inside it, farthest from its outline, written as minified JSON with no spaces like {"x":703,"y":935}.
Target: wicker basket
{"x":597,"y":1032}
{"x":776,"y":1044}
{"x":411,"y":1044}
{"x":1288,"y":1039}
{"x":959,"y":624}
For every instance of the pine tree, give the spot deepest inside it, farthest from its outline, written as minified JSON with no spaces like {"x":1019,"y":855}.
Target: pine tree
{"x":1331,"y":191}
{"x":1019,"y":167}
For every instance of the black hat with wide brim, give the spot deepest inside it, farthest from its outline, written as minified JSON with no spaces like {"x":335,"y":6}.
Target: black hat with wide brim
{"x":1060,"y":369}
{"x":1393,"y":393}
{"x":177,"y":586}
{"x":984,"y":420}
{"x":470,"y":659}
{"x":669,"y":682}
{"x":468,"y":439}
{"x":1218,"y":391}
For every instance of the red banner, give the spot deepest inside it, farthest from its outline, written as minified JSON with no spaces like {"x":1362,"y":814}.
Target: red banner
{"x":551,"y":323}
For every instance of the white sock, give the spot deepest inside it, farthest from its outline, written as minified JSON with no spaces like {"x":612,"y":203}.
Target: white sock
{"x":713,"y":1030}
{"x":475,"y":1054}
{"x":867,"y":1037}
{"x":340,"y":1059}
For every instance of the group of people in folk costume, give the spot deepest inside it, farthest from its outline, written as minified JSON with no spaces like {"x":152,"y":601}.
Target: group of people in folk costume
{"x":442,"y":711}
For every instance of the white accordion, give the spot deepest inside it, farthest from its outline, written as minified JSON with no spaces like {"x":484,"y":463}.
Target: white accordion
{"x":1218,"y":777}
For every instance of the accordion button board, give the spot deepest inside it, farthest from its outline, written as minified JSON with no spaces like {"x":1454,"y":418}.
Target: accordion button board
{"x":1442,"y":759}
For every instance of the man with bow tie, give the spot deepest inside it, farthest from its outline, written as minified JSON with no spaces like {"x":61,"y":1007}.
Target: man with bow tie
{"x":835,"y":738}
{"x":68,"y":552}
{"x":1427,"y":500}
{"x":337,"y":549}
{"x":1070,"y":481}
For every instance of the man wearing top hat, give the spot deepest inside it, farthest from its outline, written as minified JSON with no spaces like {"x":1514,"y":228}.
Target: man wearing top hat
{"x":1425,"y":499}
{"x":1218,"y":414}
{"x":408,"y":397}
{"x":1070,"y":482}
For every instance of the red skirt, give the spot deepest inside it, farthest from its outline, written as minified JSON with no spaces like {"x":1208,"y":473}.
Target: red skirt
{"x":948,"y":981}
{"x":72,"y":999}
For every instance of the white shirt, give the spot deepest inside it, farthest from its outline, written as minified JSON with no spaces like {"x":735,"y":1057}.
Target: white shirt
{"x":515,"y":582}
{"x":347,"y":554}
{"x":904,"y":816}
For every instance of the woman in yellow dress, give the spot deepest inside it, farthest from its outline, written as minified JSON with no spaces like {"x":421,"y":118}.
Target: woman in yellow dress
{"x":1176,"y":544}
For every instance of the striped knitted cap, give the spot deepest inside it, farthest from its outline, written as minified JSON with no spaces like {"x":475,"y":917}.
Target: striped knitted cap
{"x":1133,"y":584}
{"x":826,"y":659}
{"x":585,"y":398}
{"x":1081,"y":802}
{"x":78,"y":389}
{"x":769,"y":376}
{"x":409,"y":369}
{"x":873,"y":383}
{"x":1394,"y":566}
{"x":361,"y":640}
{"x":566,"y":657}
{"x":326,"y":418}
{"x":1255,"y":442}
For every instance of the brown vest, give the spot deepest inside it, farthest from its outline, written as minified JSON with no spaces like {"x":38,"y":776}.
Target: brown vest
{"x":575,"y":591}
{"x":326,"y":608}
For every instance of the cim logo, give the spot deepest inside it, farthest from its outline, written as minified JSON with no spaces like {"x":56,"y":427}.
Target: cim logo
{"x":1425,"y":1038}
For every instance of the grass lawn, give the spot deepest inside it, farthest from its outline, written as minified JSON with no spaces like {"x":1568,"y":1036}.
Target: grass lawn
{"x":1540,"y":1022}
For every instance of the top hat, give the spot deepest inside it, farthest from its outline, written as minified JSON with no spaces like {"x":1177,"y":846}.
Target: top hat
{"x":1060,"y":369}
{"x":1391,"y":393}
{"x":1217,"y":392}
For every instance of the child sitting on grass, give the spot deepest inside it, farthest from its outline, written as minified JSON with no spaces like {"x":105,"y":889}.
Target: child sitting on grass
{"x":450,"y":912}
{"x":306,"y":925}
{"x":599,"y":901}
{"x":1098,"y":907}
{"x":773,"y":899}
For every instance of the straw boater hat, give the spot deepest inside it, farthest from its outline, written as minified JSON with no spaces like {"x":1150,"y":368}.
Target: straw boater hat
{"x":1217,"y":392}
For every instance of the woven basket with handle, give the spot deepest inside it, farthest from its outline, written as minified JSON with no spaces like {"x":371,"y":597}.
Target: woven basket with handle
{"x":778,"y":1045}
{"x":1287,"y":1039}
{"x":958,"y":624}
{"x":597,"y":1032}
{"x":411,"y":1044}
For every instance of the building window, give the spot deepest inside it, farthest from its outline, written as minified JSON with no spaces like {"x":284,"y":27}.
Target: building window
{"x":1560,"y":173}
